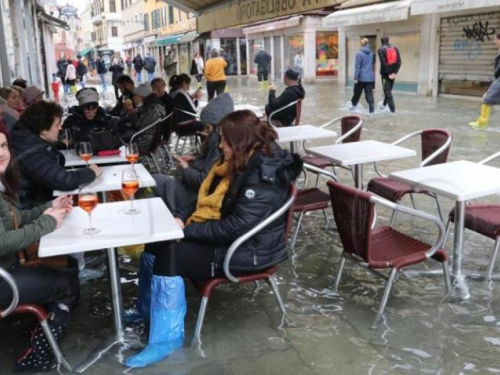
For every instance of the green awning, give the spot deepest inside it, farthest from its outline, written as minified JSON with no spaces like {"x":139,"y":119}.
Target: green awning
{"x":173,"y":39}
{"x":83,"y":52}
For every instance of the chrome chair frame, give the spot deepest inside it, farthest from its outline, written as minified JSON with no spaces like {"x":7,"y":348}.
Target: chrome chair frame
{"x":282,"y":109}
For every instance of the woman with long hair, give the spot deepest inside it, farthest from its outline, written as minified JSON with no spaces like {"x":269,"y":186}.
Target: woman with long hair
{"x":249,"y":182}
{"x":185,"y":124}
{"x":56,"y":288}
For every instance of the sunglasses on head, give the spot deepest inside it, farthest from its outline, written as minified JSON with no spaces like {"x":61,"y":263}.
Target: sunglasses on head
{"x":90,"y":107}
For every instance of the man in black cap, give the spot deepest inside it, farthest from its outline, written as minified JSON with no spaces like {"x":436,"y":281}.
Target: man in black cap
{"x":292,"y":93}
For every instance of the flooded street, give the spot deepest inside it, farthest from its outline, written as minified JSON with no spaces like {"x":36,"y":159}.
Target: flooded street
{"x":324,"y":332}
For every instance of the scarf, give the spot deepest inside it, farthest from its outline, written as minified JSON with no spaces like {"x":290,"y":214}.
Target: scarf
{"x":209,"y":205}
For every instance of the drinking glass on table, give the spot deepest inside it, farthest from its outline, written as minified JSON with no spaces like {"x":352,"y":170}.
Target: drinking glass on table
{"x":85,"y":151}
{"x":66,"y":137}
{"x":87,"y":201}
{"x":130,"y":185}
{"x":132,"y":153}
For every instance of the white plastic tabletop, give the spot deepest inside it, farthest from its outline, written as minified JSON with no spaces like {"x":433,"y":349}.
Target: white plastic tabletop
{"x":111,"y":179}
{"x":302,"y":133}
{"x":459,"y":180}
{"x":73,"y":160}
{"x":361,"y":152}
{"x":153,"y":224}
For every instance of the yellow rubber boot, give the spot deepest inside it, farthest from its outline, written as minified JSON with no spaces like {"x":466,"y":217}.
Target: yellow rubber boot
{"x":483,"y":120}
{"x":266,"y":85}
{"x":261,"y":85}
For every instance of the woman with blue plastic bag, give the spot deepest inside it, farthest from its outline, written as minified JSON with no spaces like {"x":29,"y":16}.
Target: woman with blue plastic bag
{"x":248,"y":183}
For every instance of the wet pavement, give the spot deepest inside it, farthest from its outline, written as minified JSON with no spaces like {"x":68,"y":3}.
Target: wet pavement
{"x":324,"y":332}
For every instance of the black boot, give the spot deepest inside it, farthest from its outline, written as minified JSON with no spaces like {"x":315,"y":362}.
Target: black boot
{"x":39,"y":355}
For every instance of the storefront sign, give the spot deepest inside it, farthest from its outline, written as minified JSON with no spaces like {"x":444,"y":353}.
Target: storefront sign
{"x":440,"y":6}
{"x":68,"y":11}
{"x":248,"y":11}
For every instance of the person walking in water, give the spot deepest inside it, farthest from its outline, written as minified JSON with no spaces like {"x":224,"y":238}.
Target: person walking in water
{"x":390,"y":63}
{"x":491,"y":97}
{"x":263,"y":61}
{"x":364,"y":76}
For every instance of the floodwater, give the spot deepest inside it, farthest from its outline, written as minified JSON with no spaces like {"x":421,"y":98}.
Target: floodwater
{"x":324,"y":332}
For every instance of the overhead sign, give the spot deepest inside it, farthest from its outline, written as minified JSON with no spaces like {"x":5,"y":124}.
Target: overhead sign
{"x":248,"y":11}
{"x":439,"y":6}
{"x":68,"y":11}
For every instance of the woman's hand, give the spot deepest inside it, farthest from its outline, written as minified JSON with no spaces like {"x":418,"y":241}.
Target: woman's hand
{"x":183,"y":164}
{"x":179,"y":222}
{"x":64,"y":202}
{"x":56,"y":213}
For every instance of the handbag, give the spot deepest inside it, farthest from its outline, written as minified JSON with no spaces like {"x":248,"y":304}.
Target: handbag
{"x":103,"y":140}
{"x":28,"y":257}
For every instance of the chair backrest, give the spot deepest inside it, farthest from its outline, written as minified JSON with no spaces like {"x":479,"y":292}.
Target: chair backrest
{"x":432,"y":141}
{"x":289,"y":214}
{"x":15,"y":293}
{"x":158,"y":131}
{"x":298,"y":112}
{"x":353,"y":213}
{"x":347,"y":123}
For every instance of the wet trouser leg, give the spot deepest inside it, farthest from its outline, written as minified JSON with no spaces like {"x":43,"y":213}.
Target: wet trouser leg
{"x":358,"y":89}
{"x":211,"y":89}
{"x":369,"y":86}
{"x":220,"y":86}
{"x":388,"y":98}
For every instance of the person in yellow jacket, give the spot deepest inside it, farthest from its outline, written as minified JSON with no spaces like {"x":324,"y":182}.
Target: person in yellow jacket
{"x":214,"y":74}
{"x":491,"y":97}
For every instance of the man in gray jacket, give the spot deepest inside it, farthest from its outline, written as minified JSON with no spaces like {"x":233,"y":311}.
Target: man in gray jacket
{"x":364,"y":76}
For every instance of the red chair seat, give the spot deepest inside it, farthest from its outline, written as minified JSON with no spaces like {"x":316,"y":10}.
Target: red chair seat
{"x":482,"y":218}
{"x":390,"y":189}
{"x":390,"y":248}
{"x":311,"y":200}
{"x":317,"y":162}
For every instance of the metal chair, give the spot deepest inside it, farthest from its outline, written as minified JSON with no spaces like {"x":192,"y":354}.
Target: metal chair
{"x":384,"y":247}
{"x":312,"y":199}
{"x":482,"y":218}
{"x":435,"y":149}
{"x":268,"y":275}
{"x":298,"y":111}
{"x":177,"y":127}
{"x":38,"y":311}
{"x":350,"y":127}
{"x":149,"y":153}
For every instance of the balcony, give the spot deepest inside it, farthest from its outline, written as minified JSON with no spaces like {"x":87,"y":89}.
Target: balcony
{"x":97,"y":19}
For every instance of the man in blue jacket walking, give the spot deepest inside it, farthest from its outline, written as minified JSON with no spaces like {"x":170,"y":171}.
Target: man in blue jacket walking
{"x":364,"y":75}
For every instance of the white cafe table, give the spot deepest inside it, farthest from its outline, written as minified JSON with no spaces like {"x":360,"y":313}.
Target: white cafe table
{"x":111,"y":179}
{"x":359,"y":153}
{"x":302,"y":133}
{"x":73,"y":160}
{"x":459,"y":181}
{"x":154,"y":223}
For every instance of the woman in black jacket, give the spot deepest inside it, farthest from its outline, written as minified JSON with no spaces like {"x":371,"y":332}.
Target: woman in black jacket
{"x":117,"y":67}
{"x":249,"y":183}
{"x":185,"y":123}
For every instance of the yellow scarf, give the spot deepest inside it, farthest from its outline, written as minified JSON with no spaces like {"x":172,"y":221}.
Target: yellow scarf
{"x":209,"y":205}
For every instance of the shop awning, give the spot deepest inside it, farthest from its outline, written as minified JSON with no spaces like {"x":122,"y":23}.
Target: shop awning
{"x":83,"y":52}
{"x":378,"y":13}
{"x":51,"y":20}
{"x":277,"y":25}
{"x":171,"y":39}
{"x":189,"y":37}
{"x":440,"y":6}
{"x":150,"y":39}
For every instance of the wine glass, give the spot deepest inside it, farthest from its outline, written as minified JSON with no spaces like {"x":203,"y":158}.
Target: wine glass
{"x":66,"y":137}
{"x":130,"y":184}
{"x":132,"y":153}
{"x":85,"y":150}
{"x":87,"y":201}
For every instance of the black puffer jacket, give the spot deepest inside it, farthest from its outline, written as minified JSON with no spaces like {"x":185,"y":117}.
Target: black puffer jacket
{"x":291,"y":94}
{"x":100,"y":132}
{"x":497,"y":66}
{"x":42,"y":168}
{"x":254,"y":194}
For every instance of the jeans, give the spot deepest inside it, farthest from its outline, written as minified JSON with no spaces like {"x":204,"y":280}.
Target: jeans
{"x":358,"y":89}
{"x":215,"y":86}
{"x":139,"y":75}
{"x":103,"y":80}
{"x":151,"y":76}
{"x":388,"y":98}
{"x":117,"y":92}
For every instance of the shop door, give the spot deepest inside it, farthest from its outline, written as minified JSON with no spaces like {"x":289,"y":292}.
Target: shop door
{"x":277,"y":58}
{"x":467,"y":52}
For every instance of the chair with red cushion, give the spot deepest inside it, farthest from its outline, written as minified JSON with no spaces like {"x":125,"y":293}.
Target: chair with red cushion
{"x":482,"y":218}
{"x":207,"y":287}
{"x":436,"y":145}
{"x":38,"y":311}
{"x":298,"y":111}
{"x":384,"y":247}
{"x":350,"y":127}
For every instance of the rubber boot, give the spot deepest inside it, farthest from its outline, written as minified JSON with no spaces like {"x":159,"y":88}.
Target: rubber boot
{"x":144,"y":294}
{"x":198,"y":86}
{"x":261,"y":85}
{"x":166,"y":333}
{"x":266,"y":85}
{"x":483,"y":120}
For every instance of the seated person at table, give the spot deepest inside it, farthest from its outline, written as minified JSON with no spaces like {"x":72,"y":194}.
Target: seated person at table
{"x":249,"y":182}
{"x":42,"y":166}
{"x":293,"y":92}
{"x":124,"y":103}
{"x":185,"y":124}
{"x":179,"y":192}
{"x":149,"y":109}
{"x":158,"y":86}
{"x":89,"y":123}
{"x":55,"y":288}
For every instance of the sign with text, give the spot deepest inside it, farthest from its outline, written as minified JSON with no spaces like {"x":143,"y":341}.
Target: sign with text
{"x":248,"y":11}
{"x":439,"y":6}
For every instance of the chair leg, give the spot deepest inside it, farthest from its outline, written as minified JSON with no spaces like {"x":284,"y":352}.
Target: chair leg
{"x":149,"y":163}
{"x":493,"y":259}
{"x":440,"y":211}
{"x":393,"y":216}
{"x":53,"y":344}
{"x":446,"y":234}
{"x":296,"y":233}
{"x":413,"y":201}
{"x":201,"y":318}
{"x":385,"y":297}
{"x":447,"y":280}
{"x":326,"y":219}
{"x":339,"y":272}
{"x":317,"y":181}
{"x":155,"y":163}
{"x":272,"y":283}
{"x":176,"y":149}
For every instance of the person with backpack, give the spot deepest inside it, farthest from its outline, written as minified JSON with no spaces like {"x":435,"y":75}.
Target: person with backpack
{"x":150,"y":65}
{"x":364,"y":76}
{"x":81,"y":71}
{"x":138,"y":65}
{"x":390,"y":63}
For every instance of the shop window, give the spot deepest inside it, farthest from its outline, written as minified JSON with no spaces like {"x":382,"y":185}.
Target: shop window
{"x":146,"y":22}
{"x":327,"y":54}
{"x":170,"y":15}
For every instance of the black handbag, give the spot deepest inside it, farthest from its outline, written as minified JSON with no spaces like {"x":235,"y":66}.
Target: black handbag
{"x":103,"y":140}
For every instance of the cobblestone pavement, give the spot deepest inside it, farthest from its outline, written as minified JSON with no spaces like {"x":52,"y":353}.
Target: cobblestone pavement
{"x":325,"y":332}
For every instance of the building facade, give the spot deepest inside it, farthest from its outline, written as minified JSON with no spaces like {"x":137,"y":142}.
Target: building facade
{"x":107,"y":27}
